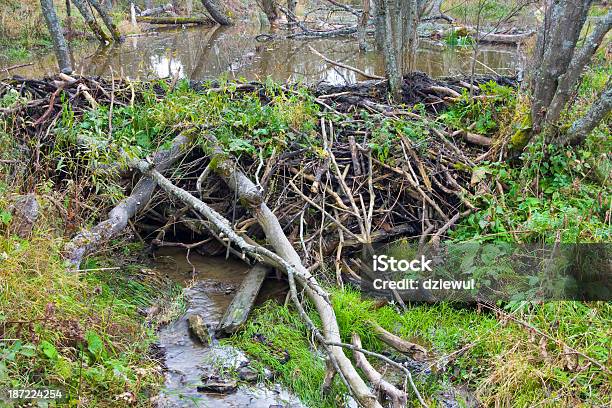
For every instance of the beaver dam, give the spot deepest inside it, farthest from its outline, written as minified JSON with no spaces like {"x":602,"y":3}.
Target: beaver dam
{"x":221,"y":168}
{"x":237,"y":186}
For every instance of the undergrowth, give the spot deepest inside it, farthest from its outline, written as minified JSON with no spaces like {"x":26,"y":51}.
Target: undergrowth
{"x":505,"y":363}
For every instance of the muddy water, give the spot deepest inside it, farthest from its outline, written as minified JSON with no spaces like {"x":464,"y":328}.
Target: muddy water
{"x":210,"y":285}
{"x":205,"y":53}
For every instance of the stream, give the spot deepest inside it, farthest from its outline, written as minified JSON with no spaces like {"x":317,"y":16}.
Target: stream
{"x":210,"y":283}
{"x":201,"y":53}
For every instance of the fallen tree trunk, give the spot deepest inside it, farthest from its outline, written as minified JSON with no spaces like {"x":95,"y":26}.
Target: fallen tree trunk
{"x":403,"y":346}
{"x":505,"y":38}
{"x":285,"y":258}
{"x":90,"y":239}
{"x":216,"y":12}
{"x":156,"y":10}
{"x":240,"y":307}
{"x":398,"y":398}
{"x":250,"y":197}
{"x":174,"y":20}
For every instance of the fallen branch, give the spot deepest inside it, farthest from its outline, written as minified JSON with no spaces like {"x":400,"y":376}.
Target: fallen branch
{"x":401,"y":345}
{"x":398,"y":398}
{"x":90,"y":239}
{"x":341,"y":65}
{"x":238,"y":311}
{"x":175,"y":20}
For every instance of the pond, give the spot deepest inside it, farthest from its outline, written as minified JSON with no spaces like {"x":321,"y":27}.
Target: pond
{"x":201,"y":53}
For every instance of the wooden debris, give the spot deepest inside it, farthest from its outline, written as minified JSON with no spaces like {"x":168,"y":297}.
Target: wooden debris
{"x":240,"y":307}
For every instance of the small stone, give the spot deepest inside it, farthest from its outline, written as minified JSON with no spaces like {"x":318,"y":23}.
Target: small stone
{"x":218,"y":386}
{"x":25,"y":212}
{"x":248,"y":374}
{"x":199,"y":329}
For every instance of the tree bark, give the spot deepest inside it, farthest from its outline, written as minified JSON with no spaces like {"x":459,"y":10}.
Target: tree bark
{"x":569,"y":80}
{"x":557,"y":42}
{"x":398,"y":398}
{"x":270,"y":10}
{"x":108,"y":20}
{"x":89,"y":239}
{"x":59,"y":42}
{"x":216,"y":12}
{"x":585,"y":125}
{"x":238,"y":311}
{"x":175,"y":20}
{"x":91,"y":21}
{"x":363,"y":24}
{"x":251,"y":198}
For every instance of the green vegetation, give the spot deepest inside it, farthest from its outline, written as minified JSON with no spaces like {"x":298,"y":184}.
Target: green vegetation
{"x":81,"y":332}
{"x":504,"y":362}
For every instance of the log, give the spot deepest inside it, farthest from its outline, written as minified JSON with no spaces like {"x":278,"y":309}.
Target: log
{"x":286,"y":258}
{"x":217,"y":12}
{"x":506,"y":38}
{"x":401,"y":345}
{"x":251,"y":198}
{"x":174,"y":20}
{"x":90,"y":239}
{"x":156,"y":10}
{"x":238,"y":311}
{"x":398,"y":398}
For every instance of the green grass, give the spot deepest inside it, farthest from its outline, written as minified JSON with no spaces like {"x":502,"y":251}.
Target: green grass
{"x":501,"y":363}
{"x":82,"y":333}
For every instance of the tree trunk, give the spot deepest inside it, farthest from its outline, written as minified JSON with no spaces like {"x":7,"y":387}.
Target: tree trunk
{"x":59,"y":42}
{"x":400,"y":19}
{"x":569,"y":80}
{"x":91,"y":21}
{"x":216,"y":12}
{"x":87,"y":240}
{"x":251,"y":198}
{"x":291,"y":7}
{"x":363,"y":25}
{"x":270,"y":10}
{"x":557,"y":42}
{"x":585,"y":125}
{"x":108,"y":20}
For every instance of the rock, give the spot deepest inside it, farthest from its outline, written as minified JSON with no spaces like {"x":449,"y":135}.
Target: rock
{"x":217,"y":385}
{"x":248,"y":374}
{"x":25,"y":212}
{"x":199,"y":329}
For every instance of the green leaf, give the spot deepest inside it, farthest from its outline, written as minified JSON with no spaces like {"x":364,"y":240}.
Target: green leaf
{"x":94,"y":343}
{"x":49,"y":350}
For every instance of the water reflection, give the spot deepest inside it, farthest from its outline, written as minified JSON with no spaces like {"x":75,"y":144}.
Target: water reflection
{"x":205,"y":53}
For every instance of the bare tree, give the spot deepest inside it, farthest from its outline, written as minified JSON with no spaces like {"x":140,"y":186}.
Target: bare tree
{"x":270,"y":9}
{"x":363,"y":24}
{"x":559,"y":64}
{"x":85,"y":11}
{"x":59,"y":42}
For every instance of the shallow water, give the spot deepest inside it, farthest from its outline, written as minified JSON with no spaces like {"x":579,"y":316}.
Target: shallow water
{"x":200,"y":53}
{"x":208,"y":293}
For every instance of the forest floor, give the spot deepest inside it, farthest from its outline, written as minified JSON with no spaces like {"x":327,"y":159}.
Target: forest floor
{"x":87,"y":331}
